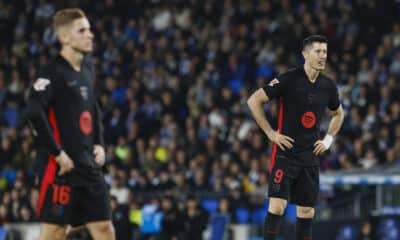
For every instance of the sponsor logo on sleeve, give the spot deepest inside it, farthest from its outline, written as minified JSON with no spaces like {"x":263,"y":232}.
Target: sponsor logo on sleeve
{"x":273,"y":82}
{"x":40,"y":84}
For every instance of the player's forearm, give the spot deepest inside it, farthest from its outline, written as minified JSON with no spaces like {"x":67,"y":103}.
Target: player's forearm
{"x":35,"y":113}
{"x":256,"y":108}
{"x":336,"y":122}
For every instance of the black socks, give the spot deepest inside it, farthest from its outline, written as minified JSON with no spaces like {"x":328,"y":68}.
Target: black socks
{"x":271,"y":226}
{"x":272,"y":223}
{"x":304,"y":229}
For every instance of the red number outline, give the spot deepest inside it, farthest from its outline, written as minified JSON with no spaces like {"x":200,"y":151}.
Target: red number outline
{"x":278,"y":176}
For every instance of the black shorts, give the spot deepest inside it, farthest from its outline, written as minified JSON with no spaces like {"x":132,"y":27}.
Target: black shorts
{"x":297,"y":184}
{"x":61,"y":203}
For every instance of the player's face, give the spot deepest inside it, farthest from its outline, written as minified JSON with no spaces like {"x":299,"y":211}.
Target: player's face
{"x":315,"y":55}
{"x":79,"y":36}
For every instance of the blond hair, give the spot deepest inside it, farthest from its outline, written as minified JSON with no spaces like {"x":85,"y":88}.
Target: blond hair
{"x":65,"y":17}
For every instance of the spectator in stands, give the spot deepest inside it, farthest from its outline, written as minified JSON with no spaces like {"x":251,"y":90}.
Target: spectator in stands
{"x":119,"y":189}
{"x":120,"y":219}
{"x":257,"y":196}
{"x":25,"y":215}
{"x":365,"y":231}
{"x":194,"y":220}
{"x":171,"y":223}
{"x":225,"y":209}
{"x":4,"y":215}
{"x":135,"y":218}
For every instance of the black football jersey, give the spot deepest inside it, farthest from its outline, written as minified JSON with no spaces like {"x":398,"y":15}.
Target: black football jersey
{"x":64,"y":113}
{"x":302,"y":104}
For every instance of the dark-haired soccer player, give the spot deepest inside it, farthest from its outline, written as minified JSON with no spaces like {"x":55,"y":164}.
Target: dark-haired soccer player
{"x":63,"y":111}
{"x":303,"y":94}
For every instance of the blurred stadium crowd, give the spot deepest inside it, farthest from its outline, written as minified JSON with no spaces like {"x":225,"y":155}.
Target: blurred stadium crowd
{"x":172,"y":80}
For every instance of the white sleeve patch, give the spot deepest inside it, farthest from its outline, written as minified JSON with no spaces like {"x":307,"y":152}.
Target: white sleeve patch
{"x":273,"y":82}
{"x":41,"y":84}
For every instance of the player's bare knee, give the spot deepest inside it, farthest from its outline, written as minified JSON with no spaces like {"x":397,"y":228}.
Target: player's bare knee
{"x":53,"y":237}
{"x":107,"y":229}
{"x":53,"y":233}
{"x":277,"y":206}
{"x":104,"y":229}
{"x":305,"y":212}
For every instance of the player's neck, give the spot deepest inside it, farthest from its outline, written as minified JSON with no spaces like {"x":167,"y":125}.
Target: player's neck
{"x":311,"y":73}
{"x":74,"y":58}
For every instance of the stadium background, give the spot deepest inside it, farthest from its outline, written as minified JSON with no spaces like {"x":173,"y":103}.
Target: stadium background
{"x":183,"y":153}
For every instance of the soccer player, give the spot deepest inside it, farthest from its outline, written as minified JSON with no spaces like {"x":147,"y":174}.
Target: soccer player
{"x":63,"y":111}
{"x":303,"y":94}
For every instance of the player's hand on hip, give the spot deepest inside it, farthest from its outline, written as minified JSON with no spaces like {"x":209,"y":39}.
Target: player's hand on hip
{"x":319,"y":147}
{"x":99,"y":154}
{"x":64,"y":162}
{"x":283,"y":141}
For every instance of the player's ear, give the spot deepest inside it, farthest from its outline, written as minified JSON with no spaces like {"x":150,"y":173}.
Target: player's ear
{"x":304,"y":52}
{"x":62,"y":35}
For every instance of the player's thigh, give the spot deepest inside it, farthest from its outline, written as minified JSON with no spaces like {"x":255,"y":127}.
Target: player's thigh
{"x":55,"y":204}
{"x":101,"y":230}
{"x":307,"y":187}
{"x":279,"y":187}
{"x":50,"y":231}
{"x":96,"y":203}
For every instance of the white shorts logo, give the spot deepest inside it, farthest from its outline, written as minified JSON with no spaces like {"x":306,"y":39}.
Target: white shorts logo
{"x":40,"y":84}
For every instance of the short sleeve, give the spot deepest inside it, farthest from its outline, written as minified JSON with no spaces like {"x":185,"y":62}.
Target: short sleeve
{"x":277,"y":87}
{"x":334,"y":102}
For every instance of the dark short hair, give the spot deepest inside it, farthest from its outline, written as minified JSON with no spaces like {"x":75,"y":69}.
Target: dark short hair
{"x":308,"y":41}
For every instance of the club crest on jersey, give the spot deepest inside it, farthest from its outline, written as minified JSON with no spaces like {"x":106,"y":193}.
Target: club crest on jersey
{"x":40,"y":84}
{"x":84,"y":92}
{"x":85,"y":122}
{"x":308,"y":119}
{"x":273,"y":82}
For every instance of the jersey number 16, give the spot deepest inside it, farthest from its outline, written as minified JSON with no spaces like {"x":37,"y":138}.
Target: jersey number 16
{"x":61,"y":194}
